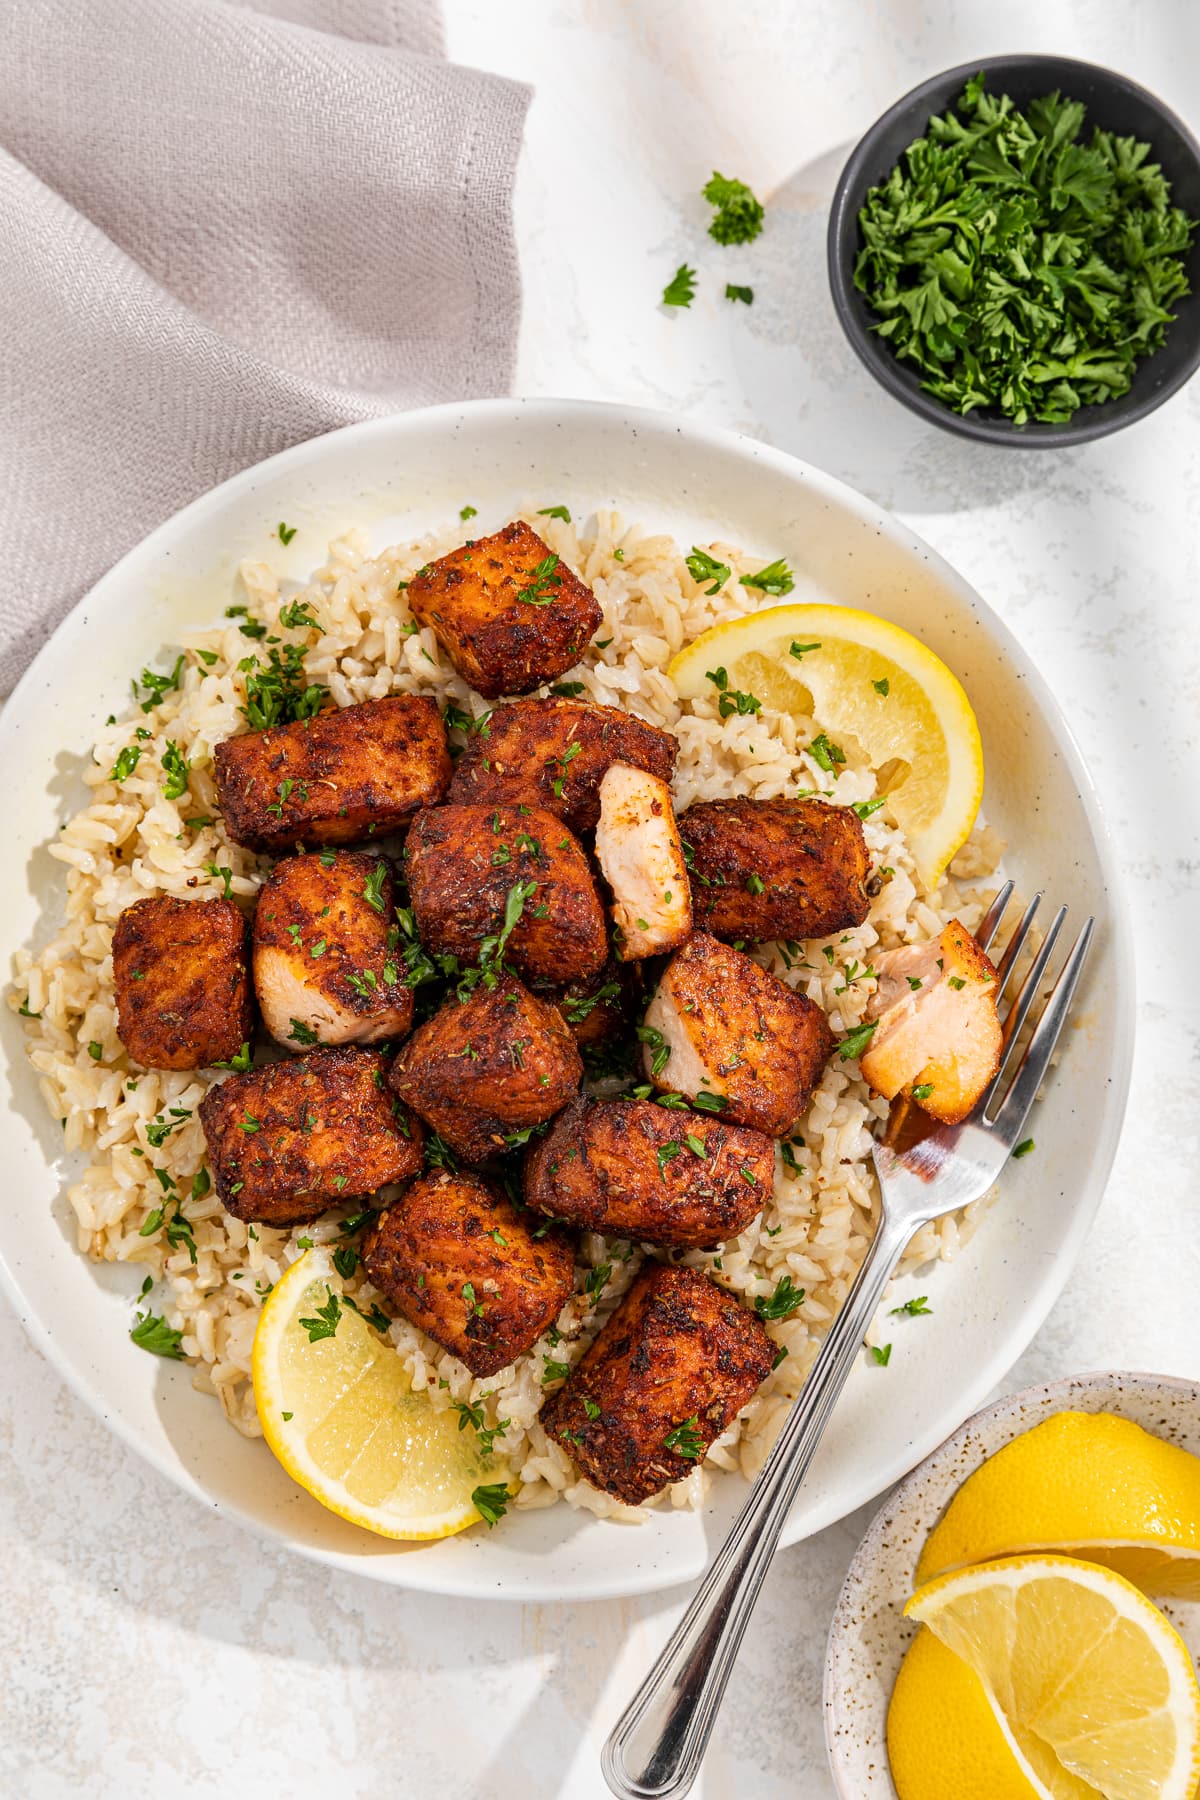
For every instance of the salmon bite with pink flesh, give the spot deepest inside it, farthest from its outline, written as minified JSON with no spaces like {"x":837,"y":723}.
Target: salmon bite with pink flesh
{"x":641,"y":857}
{"x":327,"y":969}
{"x":937,"y":1031}
{"x":734,"y":1038}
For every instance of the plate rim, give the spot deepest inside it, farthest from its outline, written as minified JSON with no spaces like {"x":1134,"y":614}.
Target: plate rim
{"x":563,"y":412}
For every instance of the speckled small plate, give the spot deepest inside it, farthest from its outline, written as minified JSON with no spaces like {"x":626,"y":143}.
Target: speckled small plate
{"x":869,"y":1635}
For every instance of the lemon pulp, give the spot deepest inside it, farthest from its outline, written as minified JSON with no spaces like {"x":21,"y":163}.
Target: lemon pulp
{"x":341,"y":1415}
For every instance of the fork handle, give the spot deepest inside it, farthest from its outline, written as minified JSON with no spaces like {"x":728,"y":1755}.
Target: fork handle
{"x":655,"y":1749}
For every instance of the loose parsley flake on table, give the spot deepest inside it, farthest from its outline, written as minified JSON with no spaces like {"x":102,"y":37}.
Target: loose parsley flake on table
{"x":681,"y":289}
{"x":739,"y":216}
{"x":1019,"y":266}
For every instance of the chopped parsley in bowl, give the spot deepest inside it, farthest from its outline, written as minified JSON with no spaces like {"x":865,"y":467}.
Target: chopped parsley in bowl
{"x":1012,"y":250}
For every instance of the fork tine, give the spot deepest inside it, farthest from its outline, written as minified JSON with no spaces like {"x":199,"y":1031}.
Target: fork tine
{"x":1016,"y":943}
{"x":1017,"y":1012}
{"x":989,"y":925}
{"x":1014,"y":1109}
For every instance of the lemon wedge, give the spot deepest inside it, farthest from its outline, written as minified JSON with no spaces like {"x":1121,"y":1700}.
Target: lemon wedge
{"x":337,"y":1409}
{"x":1083,"y":1484}
{"x":1090,"y":1679}
{"x":869,"y":684}
{"x":946,"y":1741}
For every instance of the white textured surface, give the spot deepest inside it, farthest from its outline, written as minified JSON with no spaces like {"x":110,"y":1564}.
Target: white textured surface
{"x":154,"y":1652}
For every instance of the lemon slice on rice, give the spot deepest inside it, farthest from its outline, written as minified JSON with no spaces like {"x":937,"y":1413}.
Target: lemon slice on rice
{"x":337,"y":1409}
{"x":1089,"y":1680}
{"x":869,"y":683}
{"x":1082,"y":1484}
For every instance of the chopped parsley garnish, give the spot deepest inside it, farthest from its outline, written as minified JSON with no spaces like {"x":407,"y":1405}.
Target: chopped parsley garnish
{"x":782,"y":1303}
{"x":467,"y":512}
{"x":302,"y":1034}
{"x":567,"y":690}
{"x":656,"y":1042}
{"x":713,"y":1103}
{"x":555,"y":512}
{"x":597,"y":1280}
{"x":326,"y":1322}
{"x":681,"y":289}
{"x":739,"y":216}
{"x":913,"y":1309}
{"x":686,"y":1440}
{"x":159,"y":1129}
{"x":26,"y":1012}
{"x":542,"y":583}
{"x":438,"y":1154}
{"x":491,"y":1502}
{"x":158,"y":685}
{"x":702,"y":567}
{"x":882,"y":1354}
{"x":298,"y":615}
{"x":1017,"y":266}
{"x":856,"y":1041}
{"x":744,"y":294}
{"x":922,"y":1091}
{"x":1024,"y":1147}
{"x":239,"y":1063}
{"x":286,"y":532}
{"x":696,"y":1146}
{"x":345,"y":1260}
{"x":224,"y":875}
{"x":801,"y":650}
{"x":376,"y":1317}
{"x":175,"y":767}
{"x":576,"y":1010}
{"x":731,"y":700}
{"x":126,"y":763}
{"x":154,"y":1334}
{"x":373,"y":891}
{"x":864,"y":809}
{"x":666,"y":1153}
{"x":278,"y":693}
{"x":776,"y":578}
{"x":554,"y":1371}
{"x":249,"y":1124}
{"x":882,"y":687}
{"x":955,"y":981}
{"x":825,"y":754}
{"x":96,"y":1051}
{"x":755,"y":884}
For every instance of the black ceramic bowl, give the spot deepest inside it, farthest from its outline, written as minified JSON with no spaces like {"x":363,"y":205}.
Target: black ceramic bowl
{"x":1114,"y":104}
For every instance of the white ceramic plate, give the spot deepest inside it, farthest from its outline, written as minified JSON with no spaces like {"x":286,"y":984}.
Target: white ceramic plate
{"x":869,"y":1634}
{"x":396,"y":478}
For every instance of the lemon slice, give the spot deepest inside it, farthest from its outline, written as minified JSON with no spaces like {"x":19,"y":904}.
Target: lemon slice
{"x":341,"y":1416}
{"x":869,"y":684}
{"x":1079,"y":1664}
{"x":946,"y":1741}
{"x":1082,"y":1484}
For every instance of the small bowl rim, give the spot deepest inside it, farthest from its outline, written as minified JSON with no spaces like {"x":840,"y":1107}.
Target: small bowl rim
{"x":1059,"y":1393}
{"x":1097,"y":421}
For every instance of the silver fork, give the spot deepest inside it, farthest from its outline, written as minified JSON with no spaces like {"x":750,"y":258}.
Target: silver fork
{"x":656,"y":1747}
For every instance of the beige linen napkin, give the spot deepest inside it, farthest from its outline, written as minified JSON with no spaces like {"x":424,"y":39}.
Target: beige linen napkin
{"x":224,"y":228}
